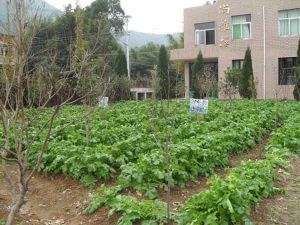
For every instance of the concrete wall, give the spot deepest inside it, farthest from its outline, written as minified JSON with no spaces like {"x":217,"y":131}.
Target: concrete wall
{"x":276,"y":47}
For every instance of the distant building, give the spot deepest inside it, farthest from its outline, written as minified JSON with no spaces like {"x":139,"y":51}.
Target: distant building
{"x":142,"y":93}
{"x":223,"y":31}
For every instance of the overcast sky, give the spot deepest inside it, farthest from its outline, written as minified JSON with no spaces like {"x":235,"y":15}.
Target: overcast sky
{"x":151,"y":16}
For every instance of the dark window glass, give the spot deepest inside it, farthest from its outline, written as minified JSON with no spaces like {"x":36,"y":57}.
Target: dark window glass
{"x":210,"y":37}
{"x":205,"y":26}
{"x":237,"y":64}
{"x":287,"y":71}
{"x":205,"y":33}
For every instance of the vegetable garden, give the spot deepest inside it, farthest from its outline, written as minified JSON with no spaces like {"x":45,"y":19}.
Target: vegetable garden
{"x":125,"y":146}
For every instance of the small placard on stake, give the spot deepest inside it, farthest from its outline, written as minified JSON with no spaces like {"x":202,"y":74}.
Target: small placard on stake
{"x":103,"y":102}
{"x":198,"y":106}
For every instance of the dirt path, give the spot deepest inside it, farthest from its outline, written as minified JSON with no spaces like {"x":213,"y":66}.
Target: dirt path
{"x":282,"y":209}
{"x":53,"y":200}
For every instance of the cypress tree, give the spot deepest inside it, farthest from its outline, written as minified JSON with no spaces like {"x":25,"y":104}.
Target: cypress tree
{"x":121,"y":85}
{"x":197,"y":71}
{"x":297,"y":84}
{"x":246,"y":81}
{"x":163,"y":75}
{"x":121,"y":63}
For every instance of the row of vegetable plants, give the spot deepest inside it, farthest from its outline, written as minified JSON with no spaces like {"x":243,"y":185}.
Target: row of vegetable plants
{"x":198,"y":156}
{"x":123,"y":147}
{"x":131,"y":209}
{"x":230,"y":200}
{"x":112,"y":125}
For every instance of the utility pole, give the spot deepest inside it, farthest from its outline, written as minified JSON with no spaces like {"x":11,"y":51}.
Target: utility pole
{"x":127,"y":46}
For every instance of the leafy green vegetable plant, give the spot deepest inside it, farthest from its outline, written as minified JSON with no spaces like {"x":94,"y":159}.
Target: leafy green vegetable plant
{"x":229,"y":201}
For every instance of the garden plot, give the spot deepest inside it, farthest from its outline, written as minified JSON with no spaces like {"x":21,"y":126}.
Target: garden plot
{"x":124,"y":150}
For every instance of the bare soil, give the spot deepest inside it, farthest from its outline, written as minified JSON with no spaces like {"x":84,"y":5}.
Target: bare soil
{"x":282,"y":209}
{"x":254,"y":154}
{"x":54,"y":200}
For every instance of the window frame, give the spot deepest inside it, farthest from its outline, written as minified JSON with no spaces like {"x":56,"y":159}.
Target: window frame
{"x":289,"y":23}
{"x":205,"y":30}
{"x":196,"y":36}
{"x":241,"y":25}
{"x":241,"y":62}
{"x":280,"y":81}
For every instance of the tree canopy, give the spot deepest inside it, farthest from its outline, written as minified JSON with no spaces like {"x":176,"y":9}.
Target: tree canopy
{"x":100,"y":24}
{"x":103,"y":20}
{"x":144,"y":59}
{"x":121,"y":63}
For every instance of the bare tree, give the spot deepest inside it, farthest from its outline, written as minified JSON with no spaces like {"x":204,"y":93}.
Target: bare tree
{"x":208,"y":80}
{"x":280,"y":90}
{"x":22,"y":89}
{"x":229,"y":86}
{"x":164,"y":134}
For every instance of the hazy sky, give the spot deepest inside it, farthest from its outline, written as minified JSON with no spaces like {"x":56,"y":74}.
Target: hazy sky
{"x":151,"y":16}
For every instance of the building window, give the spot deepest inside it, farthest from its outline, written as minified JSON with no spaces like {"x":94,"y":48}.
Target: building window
{"x":3,"y":49}
{"x":289,"y":22}
{"x":287,"y":71}
{"x":237,"y":64}
{"x":241,"y":27}
{"x":205,"y":33}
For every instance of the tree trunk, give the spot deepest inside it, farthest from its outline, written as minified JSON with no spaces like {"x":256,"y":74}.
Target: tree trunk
{"x":87,"y":131}
{"x":20,"y":201}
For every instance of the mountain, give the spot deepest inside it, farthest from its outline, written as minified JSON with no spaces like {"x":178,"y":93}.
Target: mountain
{"x":138,"y":39}
{"x":48,"y":11}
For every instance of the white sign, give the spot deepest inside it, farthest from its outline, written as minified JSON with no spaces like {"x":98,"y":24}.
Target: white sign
{"x":198,"y":106}
{"x":103,"y":102}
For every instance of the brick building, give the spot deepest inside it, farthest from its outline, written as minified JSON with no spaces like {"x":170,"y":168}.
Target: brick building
{"x":223,"y":30}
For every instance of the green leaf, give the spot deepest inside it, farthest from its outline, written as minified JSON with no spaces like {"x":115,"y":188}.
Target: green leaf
{"x":229,"y":206}
{"x":248,"y":222}
{"x":148,"y":222}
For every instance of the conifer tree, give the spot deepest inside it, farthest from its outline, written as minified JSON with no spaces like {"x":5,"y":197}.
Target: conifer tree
{"x":246,"y":82}
{"x":121,"y":83}
{"x":163,"y":73}
{"x":197,"y":71}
